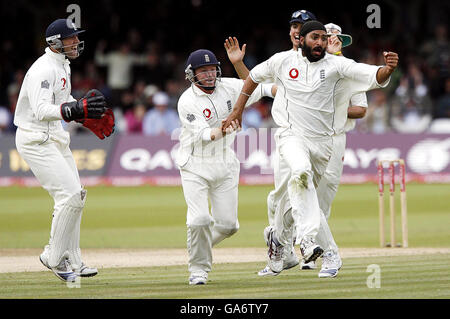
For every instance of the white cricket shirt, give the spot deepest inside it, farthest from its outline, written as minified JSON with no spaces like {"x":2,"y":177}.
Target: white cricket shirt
{"x":199,"y":111}
{"x":305,"y":97}
{"x":343,"y":98}
{"x":45,"y":87}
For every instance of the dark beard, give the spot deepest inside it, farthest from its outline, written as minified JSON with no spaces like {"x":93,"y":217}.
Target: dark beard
{"x":308,"y":53}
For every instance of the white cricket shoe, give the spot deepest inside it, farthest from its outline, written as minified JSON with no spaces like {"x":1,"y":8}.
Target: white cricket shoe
{"x":310,"y":250}
{"x":44,"y":257}
{"x":308,"y":266}
{"x":64,"y":271}
{"x":198,"y":278}
{"x":275,"y":252}
{"x":330,"y":265}
{"x":267,"y":272}
{"x":289,"y":262}
{"x":83,"y":271}
{"x":86,"y":271}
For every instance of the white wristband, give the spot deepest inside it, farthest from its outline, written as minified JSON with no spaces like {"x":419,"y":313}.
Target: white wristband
{"x":206,"y":135}
{"x":267,"y":90}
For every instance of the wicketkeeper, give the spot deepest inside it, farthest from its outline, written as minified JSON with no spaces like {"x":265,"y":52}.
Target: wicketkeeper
{"x":44,"y":100}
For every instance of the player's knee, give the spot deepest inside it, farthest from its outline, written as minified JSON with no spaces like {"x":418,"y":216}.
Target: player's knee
{"x":301,"y":178}
{"x":199,"y":220}
{"x":227,"y":229}
{"x":75,"y":200}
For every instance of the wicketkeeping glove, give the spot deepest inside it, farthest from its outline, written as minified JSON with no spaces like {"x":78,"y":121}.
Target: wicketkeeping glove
{"x":102,"y":127}
{"x":91,"y":106}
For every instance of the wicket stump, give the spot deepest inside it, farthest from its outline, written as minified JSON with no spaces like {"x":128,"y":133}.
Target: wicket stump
{"x":404,"y":213}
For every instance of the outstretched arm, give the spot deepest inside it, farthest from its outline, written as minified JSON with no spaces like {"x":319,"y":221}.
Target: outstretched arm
{"x":236,"y":56}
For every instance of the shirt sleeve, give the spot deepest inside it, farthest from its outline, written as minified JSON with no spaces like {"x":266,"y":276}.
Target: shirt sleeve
{"x":41,"y":96}
{"x":359,"y":99}
{"x":139,"y":59}
{"x":364,"y":75}
{"x":264,"y":71}
{"x":263,"y":89}
{"x":101,"y":58}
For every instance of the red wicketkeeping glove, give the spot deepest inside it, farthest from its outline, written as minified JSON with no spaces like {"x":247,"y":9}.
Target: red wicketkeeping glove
{"x":102,"y":127}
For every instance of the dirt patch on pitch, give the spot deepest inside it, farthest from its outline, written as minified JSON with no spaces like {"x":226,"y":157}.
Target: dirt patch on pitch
{"x":21,"y":260}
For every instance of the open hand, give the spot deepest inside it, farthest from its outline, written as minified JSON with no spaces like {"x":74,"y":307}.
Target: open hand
{"x":235,"y":54}
{"x":334,"y":44}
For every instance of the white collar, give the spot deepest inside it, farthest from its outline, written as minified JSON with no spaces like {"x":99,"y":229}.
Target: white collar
{"x":198,"y":91}
{"x":57,"y":56}
{"x":305,"y":59}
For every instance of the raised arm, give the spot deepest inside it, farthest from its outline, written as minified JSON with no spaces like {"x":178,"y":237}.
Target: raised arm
{"x":236,"y":56}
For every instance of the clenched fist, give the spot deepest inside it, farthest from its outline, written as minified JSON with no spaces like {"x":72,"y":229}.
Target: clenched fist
{"x":391,"y":60}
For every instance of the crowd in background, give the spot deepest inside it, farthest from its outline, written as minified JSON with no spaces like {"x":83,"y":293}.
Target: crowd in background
{"x":142,"y":73}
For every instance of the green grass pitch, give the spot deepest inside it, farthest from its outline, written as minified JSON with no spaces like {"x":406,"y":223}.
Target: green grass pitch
{"x":154,"y":217}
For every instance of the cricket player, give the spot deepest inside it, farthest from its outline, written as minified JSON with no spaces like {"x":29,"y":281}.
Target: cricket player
{"x":208,"y":166}
{"x":44,"y":100}
{"x":327,"y":187}
{"x":306,"y":80}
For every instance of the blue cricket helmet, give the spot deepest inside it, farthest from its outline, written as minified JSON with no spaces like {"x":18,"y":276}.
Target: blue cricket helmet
{"x":61,"y":29}
{"x":198,"y":59}
{"x":302,"y":16}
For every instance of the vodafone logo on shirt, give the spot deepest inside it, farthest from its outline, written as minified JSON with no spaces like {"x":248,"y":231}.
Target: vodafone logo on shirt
{"x":207,"y":113}
{"x":293,"y":73}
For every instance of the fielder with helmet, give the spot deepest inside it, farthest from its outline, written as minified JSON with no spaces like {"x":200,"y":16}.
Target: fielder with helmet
{"x":208,"y":166}
{"x":44,"y":100}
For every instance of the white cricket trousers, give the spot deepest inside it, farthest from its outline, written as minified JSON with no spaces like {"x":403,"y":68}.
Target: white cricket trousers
{"x":213,"y":179}
{"x":329,"y":183}
{"x":307,"y":159}
{"x":278,"y":200}
{"x":52,"y":163}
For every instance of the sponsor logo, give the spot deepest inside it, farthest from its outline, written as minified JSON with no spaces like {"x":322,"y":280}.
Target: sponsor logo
{"x":207,"y":113}
{"x":293,"y":73}
{"x":64,"y":83}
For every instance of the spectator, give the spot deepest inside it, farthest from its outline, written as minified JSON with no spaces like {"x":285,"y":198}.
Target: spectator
{"x":149,"y":91}
{"x":436,"y":53}
{"x":119,"y":68}
{"x":160,"y":120}
{"x":134,"y":118}
{"x":412,"y":104}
